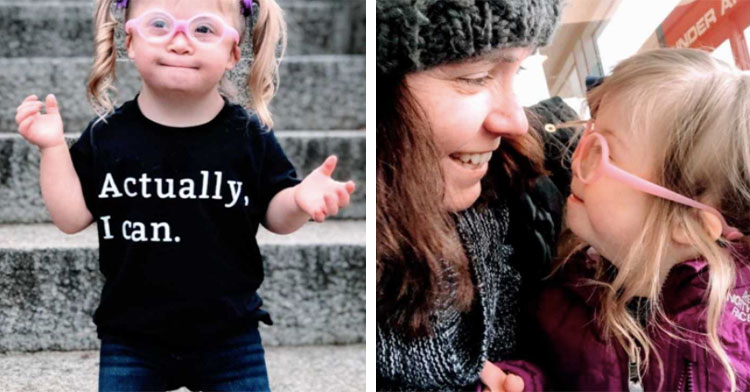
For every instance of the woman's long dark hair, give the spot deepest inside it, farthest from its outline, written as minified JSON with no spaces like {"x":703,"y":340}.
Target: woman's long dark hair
{"x":416,"y":238}
{"x":420,"y":260}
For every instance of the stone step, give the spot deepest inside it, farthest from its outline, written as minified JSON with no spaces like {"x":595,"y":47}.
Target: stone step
{"x":316,"y":92}
{"x":50,"y":286}
{"x":22,"y":200}
{"x":305,"y":368}
{"x":65,"y":29}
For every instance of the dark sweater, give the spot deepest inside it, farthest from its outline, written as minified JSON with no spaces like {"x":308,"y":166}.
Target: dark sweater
{"x":452,"y":356}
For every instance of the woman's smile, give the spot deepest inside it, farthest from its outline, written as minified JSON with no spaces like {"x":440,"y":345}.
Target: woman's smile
{"x":467,"y":173}
{"x":472,"y":160}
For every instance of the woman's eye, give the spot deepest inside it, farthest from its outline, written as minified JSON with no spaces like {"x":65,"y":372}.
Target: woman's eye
{"x":476,"y":81}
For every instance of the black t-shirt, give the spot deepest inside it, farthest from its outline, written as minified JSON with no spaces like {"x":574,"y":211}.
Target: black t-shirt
{"x":177,"y":211}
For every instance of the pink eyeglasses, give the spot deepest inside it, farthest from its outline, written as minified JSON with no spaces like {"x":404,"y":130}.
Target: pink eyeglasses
{"x":591,"y":161}
{"x":159,"y":26}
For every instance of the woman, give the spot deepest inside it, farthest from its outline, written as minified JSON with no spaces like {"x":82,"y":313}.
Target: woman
{"x":466,"y":219}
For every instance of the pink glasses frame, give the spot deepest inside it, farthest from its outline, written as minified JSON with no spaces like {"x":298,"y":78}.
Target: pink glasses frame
{"x":606,"y":168}
{"x":180,"y":25}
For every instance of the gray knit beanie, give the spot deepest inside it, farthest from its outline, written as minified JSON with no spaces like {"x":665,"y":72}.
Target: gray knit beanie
{"x":417,"y":34}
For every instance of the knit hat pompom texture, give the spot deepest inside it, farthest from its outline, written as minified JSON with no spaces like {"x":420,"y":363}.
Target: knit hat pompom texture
{"x":417,"y":34}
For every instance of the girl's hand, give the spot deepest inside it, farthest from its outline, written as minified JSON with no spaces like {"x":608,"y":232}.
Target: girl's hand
{"x":319,"y":195}
{"x":43,"y":130}
{"x":496,"y":380}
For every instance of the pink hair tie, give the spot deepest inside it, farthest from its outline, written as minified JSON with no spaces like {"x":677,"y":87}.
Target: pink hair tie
{"x":121,"y":4}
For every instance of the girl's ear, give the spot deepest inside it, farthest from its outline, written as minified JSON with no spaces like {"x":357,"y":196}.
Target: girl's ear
{"x":235,"y":57}
{"x":129,"y":46}
{"x":711,"y":224}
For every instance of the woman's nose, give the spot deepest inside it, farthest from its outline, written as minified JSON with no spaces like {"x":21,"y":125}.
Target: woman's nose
{"x":506,"y":115}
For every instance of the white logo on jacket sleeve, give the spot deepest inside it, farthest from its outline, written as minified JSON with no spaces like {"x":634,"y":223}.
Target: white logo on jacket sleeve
{"x":741,"y":309}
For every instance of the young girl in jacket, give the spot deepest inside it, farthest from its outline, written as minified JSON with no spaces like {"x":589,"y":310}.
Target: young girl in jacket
{"x":178,"y":180}
{"x":657,"y":297}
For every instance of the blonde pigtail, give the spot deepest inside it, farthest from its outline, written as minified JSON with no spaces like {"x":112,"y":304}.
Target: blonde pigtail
{"x":269,"y":35}
{"x":102,"y":75}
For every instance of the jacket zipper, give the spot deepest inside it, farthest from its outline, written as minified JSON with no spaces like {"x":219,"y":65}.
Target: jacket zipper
{"x":635,"y":384}
{"x":689,"y":380}
{"x":686,"y":380}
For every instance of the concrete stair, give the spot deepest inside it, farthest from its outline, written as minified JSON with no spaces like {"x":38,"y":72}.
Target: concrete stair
{"x":19,"y":169}
{"x":310,"y":368}
{"x":315,"y":279}
{"x":47,"y":48}
{"x":320,"y":92}
{"x":58,"y":30}
{"x":50,"y":284}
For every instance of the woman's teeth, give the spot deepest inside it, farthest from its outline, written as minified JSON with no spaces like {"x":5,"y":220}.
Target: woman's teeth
{"x":473,"y":160}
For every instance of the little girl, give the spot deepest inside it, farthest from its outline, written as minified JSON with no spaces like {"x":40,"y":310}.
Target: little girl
{"x":658,"y":298}
{"x":178,"y":180}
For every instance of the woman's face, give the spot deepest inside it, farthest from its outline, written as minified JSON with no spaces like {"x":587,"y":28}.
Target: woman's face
{"x":470,"y":106}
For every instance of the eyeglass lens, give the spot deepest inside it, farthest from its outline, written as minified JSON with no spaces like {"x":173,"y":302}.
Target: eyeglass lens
{"x":204,"y":29}
{"x":589,"y":158}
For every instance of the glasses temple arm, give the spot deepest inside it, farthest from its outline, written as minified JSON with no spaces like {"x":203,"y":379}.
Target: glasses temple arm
{"x":659,"y":191}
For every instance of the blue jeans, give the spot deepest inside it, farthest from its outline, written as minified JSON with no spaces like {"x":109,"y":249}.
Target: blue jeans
{"x":234,"y":364}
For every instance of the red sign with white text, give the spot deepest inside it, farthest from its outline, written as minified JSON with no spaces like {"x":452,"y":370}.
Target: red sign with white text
{"x":707,"y":24}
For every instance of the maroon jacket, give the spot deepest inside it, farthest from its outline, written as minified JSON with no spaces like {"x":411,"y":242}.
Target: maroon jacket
{"x":577,"y":358}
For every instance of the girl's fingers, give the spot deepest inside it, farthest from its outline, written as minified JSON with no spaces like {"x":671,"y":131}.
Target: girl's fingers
{"x":26,"y":105}
{"x":320,"y":216}
{"x":25,"y":111}
{"x":332,"y":207}
{"x":343,"y":197}
{"x":51,"y":103}
{"x":350,"y":186}
{"x":23,"y":128}
{"x":24,"y":116}
{"x":328,"y":166}
{"x":492,"y":376}
{"x":513,"y":383}
{"x":30,"y":98}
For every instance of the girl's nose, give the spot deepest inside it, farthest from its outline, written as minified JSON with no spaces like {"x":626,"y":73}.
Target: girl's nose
{"x":180,"y":43}
{"x":506,"y":115}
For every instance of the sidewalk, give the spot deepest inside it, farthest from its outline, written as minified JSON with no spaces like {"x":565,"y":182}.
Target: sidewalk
{"x":300,"y":368}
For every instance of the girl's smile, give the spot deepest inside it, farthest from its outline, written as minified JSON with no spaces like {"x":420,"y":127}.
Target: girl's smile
{"x":178,"y":65}
{"x":575,"y":199}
